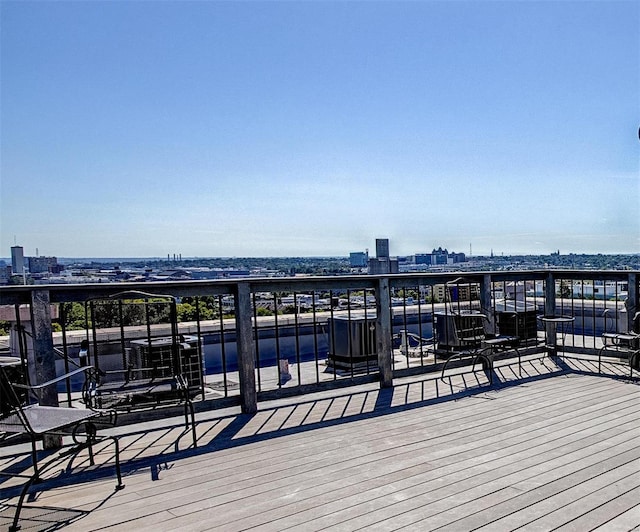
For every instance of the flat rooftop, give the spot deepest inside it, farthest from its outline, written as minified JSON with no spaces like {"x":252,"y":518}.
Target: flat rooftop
{"x":556,"y":448}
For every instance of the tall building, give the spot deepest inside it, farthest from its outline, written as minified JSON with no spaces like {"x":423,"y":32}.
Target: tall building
{"x":382,"y":248}
{"x":358,"y":259}
{"x":423,"y":258}
{"x":44,"y":265}
{"x":5,"y":272}
{"x":383,"y":263}
{"x":442,"y":256}
{"x":17,"y":259}
{"x":439,"y":256}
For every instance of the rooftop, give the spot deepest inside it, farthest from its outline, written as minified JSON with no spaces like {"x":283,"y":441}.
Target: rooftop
{"x":557,"y":448}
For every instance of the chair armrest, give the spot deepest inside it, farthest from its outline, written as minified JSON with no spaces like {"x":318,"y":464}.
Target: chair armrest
{"x":83,"y":369}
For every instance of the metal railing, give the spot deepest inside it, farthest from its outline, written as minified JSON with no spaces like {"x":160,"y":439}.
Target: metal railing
{"x":262,"y":338}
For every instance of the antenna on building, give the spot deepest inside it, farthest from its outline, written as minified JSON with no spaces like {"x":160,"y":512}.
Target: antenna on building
{"x":37,"y":254}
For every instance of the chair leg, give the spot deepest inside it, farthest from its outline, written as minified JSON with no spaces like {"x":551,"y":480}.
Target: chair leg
{"x":116,"y":444}
{"x":600,"y":351}
{"x":34,"y":458}
{"x":186,"y":413}
{"x":444,"y":367}
{"x":35,"y":478}
{"x":634,"y":359}
{"x":32,"y":480}
{"x":91,"y":438}
{"x":16,"y":518}
{"x":189,"y":412}
{"x":487,"y":363}
{"x":193,"y":426}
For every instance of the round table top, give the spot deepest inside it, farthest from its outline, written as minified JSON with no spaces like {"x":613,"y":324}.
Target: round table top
{"x":10,"y":361}
{"x":558,"y":319}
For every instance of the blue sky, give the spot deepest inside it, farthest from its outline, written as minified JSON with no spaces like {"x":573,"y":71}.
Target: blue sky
{"x":313,"y":128}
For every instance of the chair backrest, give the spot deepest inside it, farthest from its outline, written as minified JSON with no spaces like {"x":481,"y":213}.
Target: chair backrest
{"x":134,"y":334}
{"x":462,"y":296}
{"x":12,"y":400}
{"x":10,"y":396}
{"x":614,"y":323}
{"x":470,"y":326}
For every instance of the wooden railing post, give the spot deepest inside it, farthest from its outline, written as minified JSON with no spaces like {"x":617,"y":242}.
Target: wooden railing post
{"x":44,"y":357}
{"x":631,"y":303}
{"x":384,"y":332}
{"x":246,"y":350}
{"x":485,"y":303}
{"x":550,"y":308}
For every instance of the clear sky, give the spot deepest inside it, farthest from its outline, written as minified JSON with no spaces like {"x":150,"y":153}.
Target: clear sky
{"x":312,"y":128}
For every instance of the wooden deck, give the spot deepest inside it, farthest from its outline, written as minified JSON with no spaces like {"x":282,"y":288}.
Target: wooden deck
{"x":551,"y":449}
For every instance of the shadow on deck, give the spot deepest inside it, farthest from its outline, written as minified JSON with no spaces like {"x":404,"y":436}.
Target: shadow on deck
{"x":291,"y":445}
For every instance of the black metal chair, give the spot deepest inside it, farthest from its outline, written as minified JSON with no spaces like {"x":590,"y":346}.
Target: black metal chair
{"x":146,"y":371}
{"x":19,"y":417}
{"x":625,"y":344}
{"x":483,"y":348}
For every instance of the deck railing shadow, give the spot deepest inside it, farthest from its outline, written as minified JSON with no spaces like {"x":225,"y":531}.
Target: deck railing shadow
{"x":216,"y":433}
{"x":607,"y":369}
{"x":151,"y":443}
{"x":250,"y":403}
{"x":41,"y":518}
{"x":148,"y":449}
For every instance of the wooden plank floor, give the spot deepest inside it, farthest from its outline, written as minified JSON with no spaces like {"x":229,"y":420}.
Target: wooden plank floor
{"x":553,"y":450}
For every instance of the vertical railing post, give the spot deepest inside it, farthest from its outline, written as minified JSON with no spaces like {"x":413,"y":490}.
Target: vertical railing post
{"x":631,"y":303}
{"x":485,"y":303}
{"x":384,"y":332}
{"x":550,"y":308}
{"x":246,"y":350}
{"x":44,"y":357}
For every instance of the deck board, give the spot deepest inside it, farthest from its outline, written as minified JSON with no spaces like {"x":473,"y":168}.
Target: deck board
{"x":556,"y":449}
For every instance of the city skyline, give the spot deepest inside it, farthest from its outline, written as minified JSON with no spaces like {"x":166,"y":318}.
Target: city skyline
{"x":222,"y":129}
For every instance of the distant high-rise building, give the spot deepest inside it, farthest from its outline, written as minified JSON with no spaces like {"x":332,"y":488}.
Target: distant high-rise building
{"x":5,"y":272}
{"x":423,"y":258}
{"x":458,"y":257}
{"x":442,"y":256}
{"x":17,"y":259}
{"x":382,"y":248}
{"x":439,"y":256}
{"x":383,"y":266}
{"x":43,"y":265}
{"x":358,"y":259}
{"x":382,"y":263}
